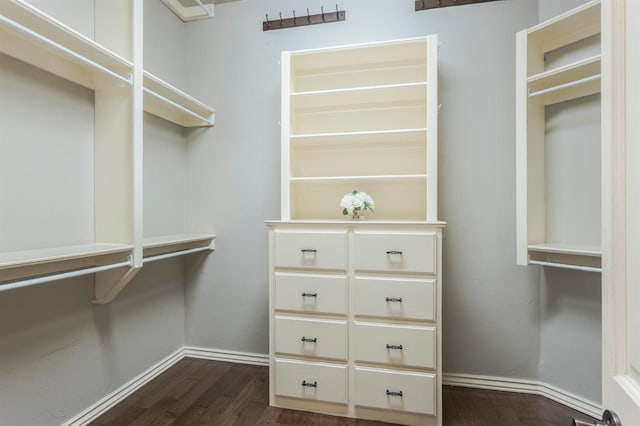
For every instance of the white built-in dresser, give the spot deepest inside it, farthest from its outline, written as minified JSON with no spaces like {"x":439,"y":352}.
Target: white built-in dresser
{"x":355,"y":305}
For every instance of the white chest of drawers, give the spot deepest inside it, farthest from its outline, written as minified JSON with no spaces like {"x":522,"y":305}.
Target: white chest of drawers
{"x":355,"y":319}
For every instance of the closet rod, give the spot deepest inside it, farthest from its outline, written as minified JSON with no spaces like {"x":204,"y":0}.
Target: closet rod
{"x":65,"y":50}
{"x":177,"y":253}
{"x":566,"y":266}
{"x":65,"y":275}
{"x":565,"y":85}
{"x":177,"y":105}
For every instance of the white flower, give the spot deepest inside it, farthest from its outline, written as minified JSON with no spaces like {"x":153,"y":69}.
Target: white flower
{"x":356,"y":201}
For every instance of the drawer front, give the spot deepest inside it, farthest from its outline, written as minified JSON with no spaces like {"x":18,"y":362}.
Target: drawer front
{"x":394,"y":390}
{"x":388,"y":252}
{"x":311,"y":293}
{"x":395,"y":298}
{"x":320,"y":382}
{"x":311,"y":250}
{"x":310,"y":337}
{"x":407,"y":346}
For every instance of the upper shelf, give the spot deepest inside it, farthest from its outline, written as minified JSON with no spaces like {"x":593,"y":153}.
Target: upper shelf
{"x":169,"y":103}
{"x":379,"y":136}
{"x":32,"y":36}
{"x":176,"y":244}
{"x":575,"y":25}
{"x":566,"y":254}
{"x":581,"y":78}
{"x":359,"y":96}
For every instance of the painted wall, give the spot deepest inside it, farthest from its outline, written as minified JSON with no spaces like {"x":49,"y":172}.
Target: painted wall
{"x":491,"y":306}
{"x":59,"y":353}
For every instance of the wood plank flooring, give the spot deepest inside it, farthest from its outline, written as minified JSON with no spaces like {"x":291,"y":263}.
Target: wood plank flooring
{"x":202,"y":392}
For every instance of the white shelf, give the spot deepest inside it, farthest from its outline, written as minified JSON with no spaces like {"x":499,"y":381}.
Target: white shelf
{"x":563,"y":79}
{"x":374,"y":136}
{"x":358,"y":97}
{"x":59,"y":254}
{"x":568,"y":256}
{"x":153,"y":246}
{"x":167,"y":102}
{"x":343,"y":179}
{"x":576,"y":24}
{"x":48,"y":44}
{"x":571,"y":249}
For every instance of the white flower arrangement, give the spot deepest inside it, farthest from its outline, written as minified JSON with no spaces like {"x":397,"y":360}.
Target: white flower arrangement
{"x":355,"y":202}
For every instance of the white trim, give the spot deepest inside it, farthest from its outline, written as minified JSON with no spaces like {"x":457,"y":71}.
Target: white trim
{"x":525,"y":386}
{"x":227,"y":356}
{"x":105,"y":404}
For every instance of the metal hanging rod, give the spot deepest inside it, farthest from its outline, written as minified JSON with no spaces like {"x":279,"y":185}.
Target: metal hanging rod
{"x":566,"y":266}
{"x":300,"y":21}
{"x":210,"y":247}
{"x":65,"y":275}
{"x":178,"y":106}
{"x":565,"y":85}
{"x":128,"y":80}
{"x":434,"y":4}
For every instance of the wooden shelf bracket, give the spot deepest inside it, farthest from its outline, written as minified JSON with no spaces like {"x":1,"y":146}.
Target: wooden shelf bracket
{"x":301,"y":21}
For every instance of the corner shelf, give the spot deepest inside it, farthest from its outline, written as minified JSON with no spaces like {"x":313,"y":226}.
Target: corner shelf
{"x":33,"y":37}
{"x":537,"y":87}
{"x":167,"y":102}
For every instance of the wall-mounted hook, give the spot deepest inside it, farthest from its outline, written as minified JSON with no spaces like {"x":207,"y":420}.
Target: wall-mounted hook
{"x":322,"y":9}
{"x":280,"y":18}
{"x":294,"y":18}
{"x":266,"y":15}
{"x":308,"y":16}
{"x":337,"y":13}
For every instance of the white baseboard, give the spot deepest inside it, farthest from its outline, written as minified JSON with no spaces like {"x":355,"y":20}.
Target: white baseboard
{"x":105,"y":404}
{"x":504,"y":384}
{"x":227,"y":356}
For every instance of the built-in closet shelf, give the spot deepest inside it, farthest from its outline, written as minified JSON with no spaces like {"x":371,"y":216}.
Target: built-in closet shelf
{"x":169,"y":103}
{"x":31,"y":36}
{"x":392,"y":137}
{"x":21,"y":264}
{"x":566,"y":254}
{"x":567,"y":28}
{"x":176,"y":245}
{"x":581,"y":78}
{"x":342,"y":179}
{"x":360,"y":97}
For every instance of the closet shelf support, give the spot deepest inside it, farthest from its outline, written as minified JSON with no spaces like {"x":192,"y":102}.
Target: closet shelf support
{"x":3,"y":19}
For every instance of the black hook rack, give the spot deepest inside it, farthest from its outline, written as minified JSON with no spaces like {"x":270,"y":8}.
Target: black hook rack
{"x":297,"y":21}
{"x":435,"y":4}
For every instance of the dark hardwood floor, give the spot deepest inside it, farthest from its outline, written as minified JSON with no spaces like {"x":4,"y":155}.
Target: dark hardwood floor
{"x":201,"y":392}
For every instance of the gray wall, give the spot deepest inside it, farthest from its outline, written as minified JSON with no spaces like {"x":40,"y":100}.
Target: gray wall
{"x":59,"y":353}
{"x":491,"y":306}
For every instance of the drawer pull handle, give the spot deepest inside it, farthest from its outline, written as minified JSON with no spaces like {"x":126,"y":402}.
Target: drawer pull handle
{"x":391,"y":393}
{"x":309,"y":294}
{"x":309,"y":384}
{"x":395,"y":252}
{"x":309,"y":250}
{"x":309,"y":339}
{"x":394,"y":299}
{"x":398,"y":347}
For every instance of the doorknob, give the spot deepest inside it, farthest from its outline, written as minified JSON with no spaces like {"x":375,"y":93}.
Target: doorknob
{"x":609,"y":418}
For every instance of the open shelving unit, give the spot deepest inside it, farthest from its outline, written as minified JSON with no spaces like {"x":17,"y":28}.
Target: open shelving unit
{"x":360,"y":118}
{"x":536,"y":88}
{"x":111,"y":66}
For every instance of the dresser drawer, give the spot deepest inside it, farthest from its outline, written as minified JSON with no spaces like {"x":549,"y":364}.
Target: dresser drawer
{"x":395,"y":298}
{"x":391,"y":252}
{"x":311,"y":293}
{"x":311,"y":250}
{"x":320,"y":382}
{"x":407,"y":346}
{"x":395,"y":390}
{"x":310,"y":337}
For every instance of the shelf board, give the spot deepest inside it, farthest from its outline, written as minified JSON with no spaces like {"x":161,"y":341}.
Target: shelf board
{"x":29,"y":48}
{"x":566,"y":254}
{"x":371,"y":178}
{"x":374,"y":136}
{"x":181,"y":109}
{"x":153,"y":246}
{"x":59,"y":254}
{"x":369,"y":95}
{"x":567,"y":28}
{"x":568,"y":74}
